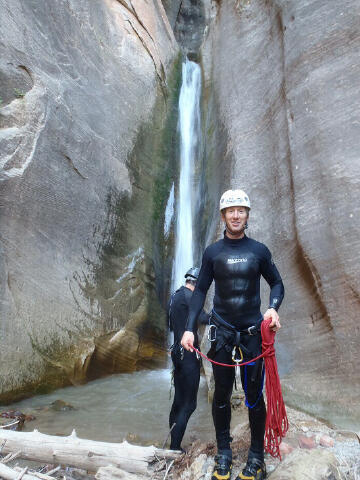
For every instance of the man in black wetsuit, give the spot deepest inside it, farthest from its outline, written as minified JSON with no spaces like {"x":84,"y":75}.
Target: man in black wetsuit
{"x":236,"y":263}
{"x":186,"y":364}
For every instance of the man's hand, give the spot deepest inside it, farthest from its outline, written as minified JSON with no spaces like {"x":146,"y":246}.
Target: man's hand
{"x":275,"y":321}
{"x":187,"y":341}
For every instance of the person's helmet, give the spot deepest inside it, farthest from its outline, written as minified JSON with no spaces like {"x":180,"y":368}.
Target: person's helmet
{"x":192,"y":273}
{"x":234,"y":198}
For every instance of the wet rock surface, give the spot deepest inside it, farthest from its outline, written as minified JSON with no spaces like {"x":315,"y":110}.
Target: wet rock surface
{"x":61,"y":406}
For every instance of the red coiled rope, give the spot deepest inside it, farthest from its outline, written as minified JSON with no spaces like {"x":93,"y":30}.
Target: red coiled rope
{"x":277,"y":423}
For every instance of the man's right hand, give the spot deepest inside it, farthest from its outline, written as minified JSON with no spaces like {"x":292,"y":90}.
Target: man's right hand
{"x":187,"y":341}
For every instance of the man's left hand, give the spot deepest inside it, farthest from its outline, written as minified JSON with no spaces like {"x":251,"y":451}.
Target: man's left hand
{"x":275,"y":321}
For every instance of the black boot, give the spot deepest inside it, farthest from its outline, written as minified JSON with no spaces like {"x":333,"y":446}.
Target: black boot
{"x":223,"y":466}
{"x":255,"y":469}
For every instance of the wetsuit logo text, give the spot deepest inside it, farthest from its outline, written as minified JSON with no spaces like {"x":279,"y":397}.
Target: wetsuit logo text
{"x":236,"y":260}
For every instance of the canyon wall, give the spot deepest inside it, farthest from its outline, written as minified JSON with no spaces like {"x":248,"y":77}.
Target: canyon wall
{"x":88,"y":132}
{"x":284,"y":77}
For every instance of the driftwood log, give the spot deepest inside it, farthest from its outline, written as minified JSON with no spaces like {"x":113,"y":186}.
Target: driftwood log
{"x":80,"y":453}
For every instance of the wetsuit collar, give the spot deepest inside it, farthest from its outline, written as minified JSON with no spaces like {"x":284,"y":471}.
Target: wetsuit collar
{"x":234,"y":241}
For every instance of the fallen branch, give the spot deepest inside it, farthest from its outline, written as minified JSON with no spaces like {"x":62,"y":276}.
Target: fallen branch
{"x":168,"y":469}
{"x":167,"y":436}
{"x":9,"y":424}
{"x":10,"y":456}
{"x":8,"y":473}
{"x":22,"y":473}
{"x":82,"y":453}
{"x":50,"y":472}
{"x":42,"y":476}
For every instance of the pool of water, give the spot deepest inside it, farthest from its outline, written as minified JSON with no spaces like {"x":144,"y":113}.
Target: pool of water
{"x":133,"y":406}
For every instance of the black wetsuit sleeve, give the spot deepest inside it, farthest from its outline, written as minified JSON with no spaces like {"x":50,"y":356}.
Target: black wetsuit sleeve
{"x":204,"y":317}
{"x":273,"y":278}
{"x":203,"y":283}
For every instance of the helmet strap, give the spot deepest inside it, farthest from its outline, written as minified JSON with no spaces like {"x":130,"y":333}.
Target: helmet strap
{"x":231,"y":233}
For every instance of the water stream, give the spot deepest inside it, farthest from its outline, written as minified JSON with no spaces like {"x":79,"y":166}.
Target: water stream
{"x":189,"y":126}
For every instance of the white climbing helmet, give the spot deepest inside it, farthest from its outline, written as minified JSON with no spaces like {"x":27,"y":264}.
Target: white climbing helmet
{"x":234,"y":198}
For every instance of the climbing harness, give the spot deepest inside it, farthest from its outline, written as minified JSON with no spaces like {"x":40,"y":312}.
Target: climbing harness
{"x":232,"y":335}
{"x":277,"y":423}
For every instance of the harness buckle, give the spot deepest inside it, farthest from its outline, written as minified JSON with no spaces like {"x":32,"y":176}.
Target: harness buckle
{"x":212,"y":335}
{"x":250,"y":330}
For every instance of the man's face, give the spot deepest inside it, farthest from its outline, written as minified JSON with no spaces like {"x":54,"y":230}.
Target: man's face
{"x":235,"y":219}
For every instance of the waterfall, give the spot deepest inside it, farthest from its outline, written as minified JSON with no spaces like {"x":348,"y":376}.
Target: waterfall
{"x":189,"y":126}
{"x":169,"y":212}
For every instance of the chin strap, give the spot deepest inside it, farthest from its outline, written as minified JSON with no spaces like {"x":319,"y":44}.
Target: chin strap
{"x":232,"y":233}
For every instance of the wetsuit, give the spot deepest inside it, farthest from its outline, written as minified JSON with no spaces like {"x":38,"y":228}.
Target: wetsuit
{"x":236,"y":266}
{"x":186,"y":366}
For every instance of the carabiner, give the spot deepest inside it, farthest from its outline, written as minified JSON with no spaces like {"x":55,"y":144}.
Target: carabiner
{"x":210,"y":337}
{"x":237,"y":360}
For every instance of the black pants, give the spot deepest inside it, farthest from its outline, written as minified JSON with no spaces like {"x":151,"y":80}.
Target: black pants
{"x":186,"y":382}
{"x":251,"y":378}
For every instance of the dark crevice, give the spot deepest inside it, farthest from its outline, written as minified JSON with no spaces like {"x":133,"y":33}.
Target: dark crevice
{"x":140,"y":22}
{"x":124,"y":4}
{"x":178,"y":13}
{"x":74,"y":168}
{"x":25,"y":69}
{"x":160,"y":75}
{"x":354,"y":292}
